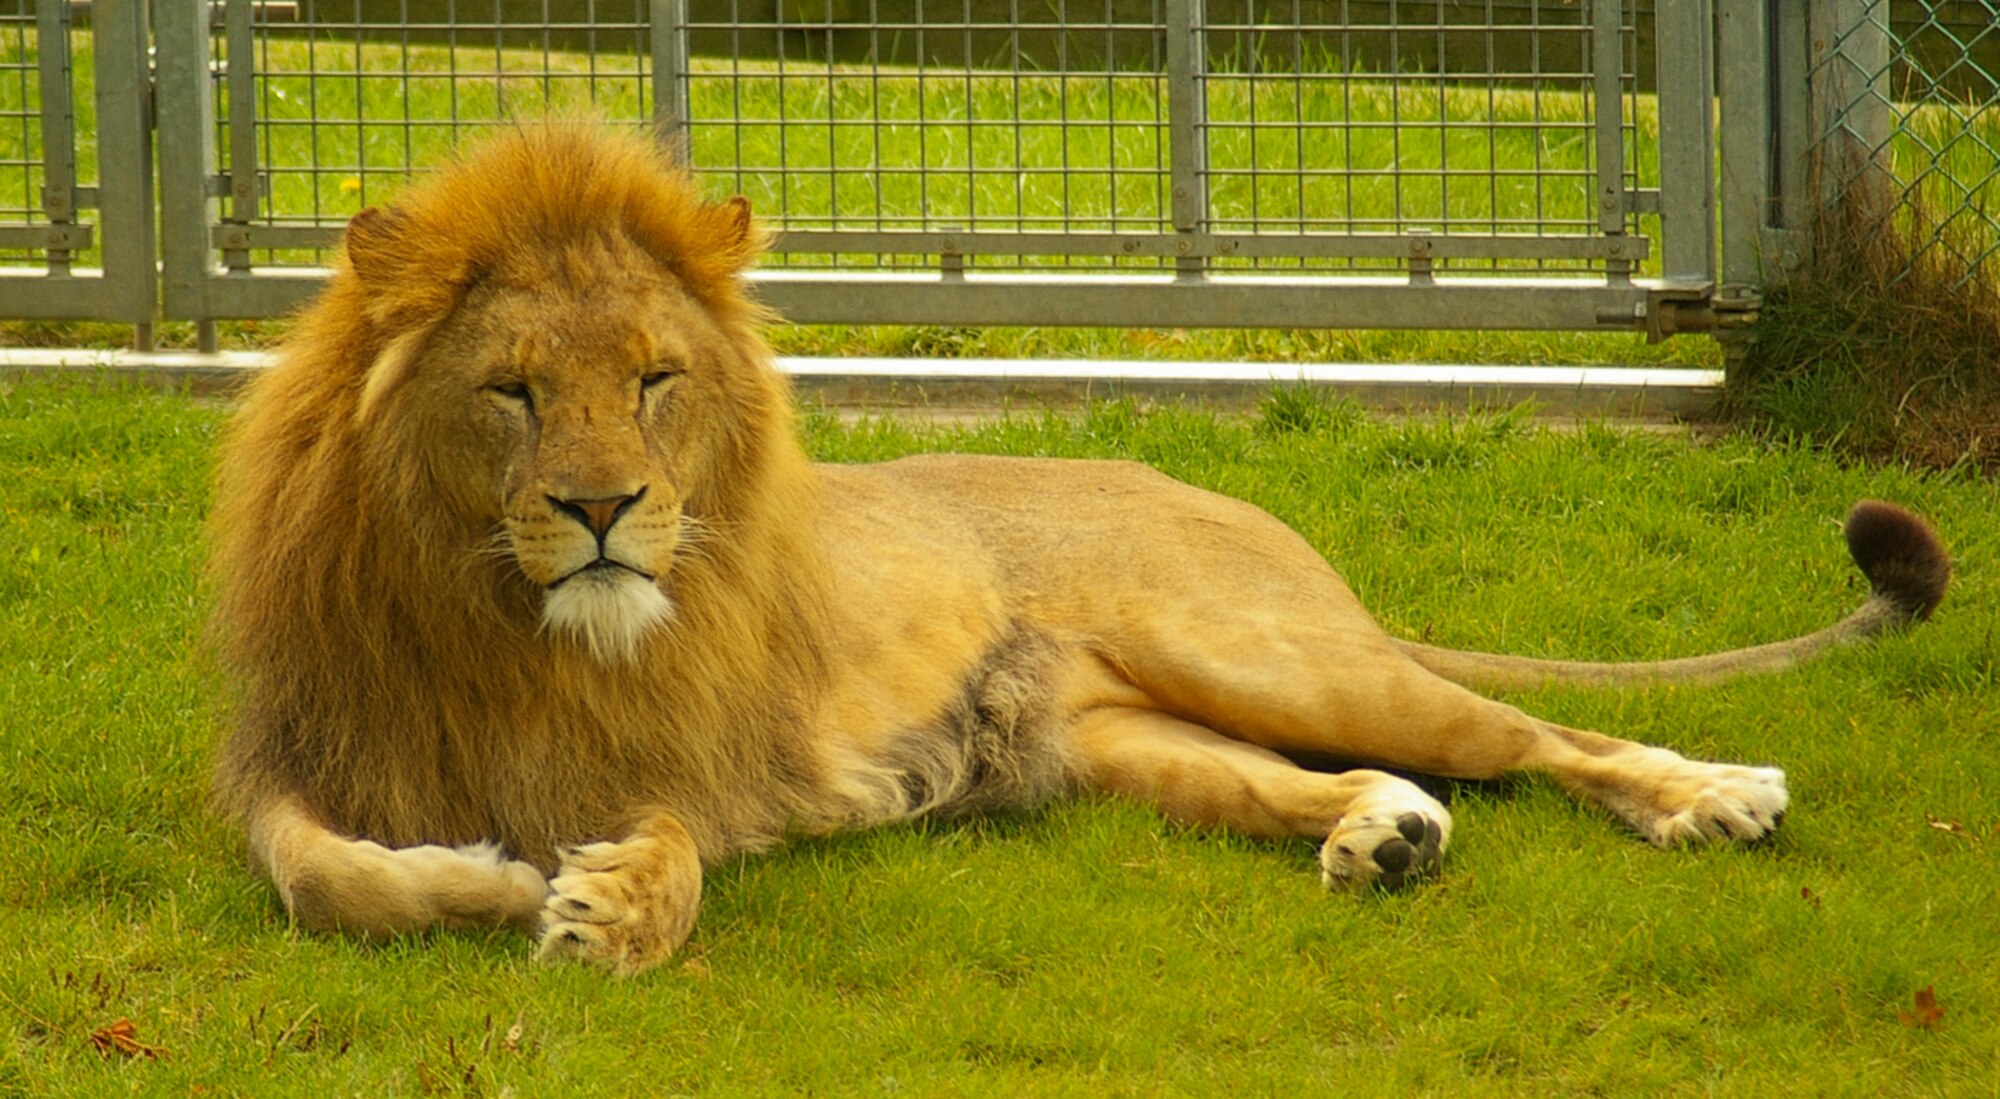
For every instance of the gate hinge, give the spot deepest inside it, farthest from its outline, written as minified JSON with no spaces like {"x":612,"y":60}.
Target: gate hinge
{"x":1736,"y":305}
{"x":1669,"y":311}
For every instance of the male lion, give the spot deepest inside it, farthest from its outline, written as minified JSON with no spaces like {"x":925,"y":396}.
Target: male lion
{"x":537,"y":607}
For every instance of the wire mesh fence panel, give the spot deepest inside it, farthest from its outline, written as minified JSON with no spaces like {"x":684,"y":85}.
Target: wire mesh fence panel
{"x":1310,"y":121}
{"x":997,"y":133}
{"x":20,"y":124}
{"x":36,"y":154}
{"x":840,"y":120}
{"x":1911,"y":144}
{"x":75,"y":183}
{"x":1471,"y":120}
{"x":1193,"y":140}
{"x":327,"y":106}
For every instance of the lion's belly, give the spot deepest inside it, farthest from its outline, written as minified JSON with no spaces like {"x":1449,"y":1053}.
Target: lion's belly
{"x":956,"y":675}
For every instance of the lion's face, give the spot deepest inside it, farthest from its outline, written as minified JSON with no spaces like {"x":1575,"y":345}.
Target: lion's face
{"x":571,"y":417}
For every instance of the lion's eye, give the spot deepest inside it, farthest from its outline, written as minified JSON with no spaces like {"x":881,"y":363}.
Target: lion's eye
{"x":657,"y":377}
{"x":517,"y":392}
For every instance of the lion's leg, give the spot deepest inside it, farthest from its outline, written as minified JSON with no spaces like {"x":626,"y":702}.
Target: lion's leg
{"x":1286,"y":660}
{"x":332,"y":883}
{"x":1376,"y":828}
{"x":1302,"y":689}
{"x":1664,"y":796}
{"x":624,"y":905}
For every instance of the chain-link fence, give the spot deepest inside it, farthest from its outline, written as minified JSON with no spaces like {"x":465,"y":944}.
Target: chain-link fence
{"x":1909,"y":109}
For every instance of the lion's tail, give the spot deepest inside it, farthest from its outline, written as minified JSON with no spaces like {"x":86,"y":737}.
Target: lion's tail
{"x":1906,"y":565}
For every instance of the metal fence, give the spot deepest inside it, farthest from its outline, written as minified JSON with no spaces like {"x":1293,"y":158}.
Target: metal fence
{"x":1911,"y":140}
{"x":1349,"y":163}
{"x":76,"y":207}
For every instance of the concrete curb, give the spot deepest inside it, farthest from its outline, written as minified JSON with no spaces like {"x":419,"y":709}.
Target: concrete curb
{"x":1643,"y":393}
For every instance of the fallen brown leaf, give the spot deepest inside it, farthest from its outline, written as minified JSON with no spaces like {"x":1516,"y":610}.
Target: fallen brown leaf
{"x":1926,"y":1013}
{"x":123,"y":1037}
{"x":1951,"y":827}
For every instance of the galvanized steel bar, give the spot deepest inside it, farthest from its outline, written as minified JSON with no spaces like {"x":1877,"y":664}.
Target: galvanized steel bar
{"x":58,"y":197}
{"x":185,"y":120}
{"x":1131,"y":301}
{"x":1187,"y":120}
{"x":239,"y":40}
{"x":1851,"y":105}
{"x":1742,"y":62}
{"x":124,"y":196}
{"x":1385,"y":246}
{"x":670,"y":67}
{"x":1137,"y":301}
{"x":1788,"y":33}
{"x":1608,"y":106}
{"x":1683,"y":31}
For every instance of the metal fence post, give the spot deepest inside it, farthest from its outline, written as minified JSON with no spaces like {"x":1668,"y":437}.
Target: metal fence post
{"x":1607,"y":18}
{"x":1187,"y":126}
{"x":1745,"y":121}
{"x":245,"y":188}
{"x":670,"y":108}
{"x":125,"y":163}
{"x":1784,"y":246}
{"x":58,"y":126}
{"x":1851,"y":122}
{"x":1684,"y":30}
{"x":185,"y":121}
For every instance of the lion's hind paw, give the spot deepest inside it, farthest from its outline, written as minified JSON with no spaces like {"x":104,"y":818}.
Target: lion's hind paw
{"x":1719,"y":803}
{"x":1387,"y":840}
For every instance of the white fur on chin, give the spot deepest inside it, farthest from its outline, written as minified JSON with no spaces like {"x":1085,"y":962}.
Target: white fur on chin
{"x":608,"y":611}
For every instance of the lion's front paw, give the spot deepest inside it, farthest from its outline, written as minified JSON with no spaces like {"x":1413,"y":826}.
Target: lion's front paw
{"x":1713,"y":802}
{"x":1388,"y":838}
{"x":625,"y":906}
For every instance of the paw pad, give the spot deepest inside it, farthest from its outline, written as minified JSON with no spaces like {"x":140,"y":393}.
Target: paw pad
{"x":1385,"y":849}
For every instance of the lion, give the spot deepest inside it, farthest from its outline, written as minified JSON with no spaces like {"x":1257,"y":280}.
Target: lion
{"x":535,"y":606}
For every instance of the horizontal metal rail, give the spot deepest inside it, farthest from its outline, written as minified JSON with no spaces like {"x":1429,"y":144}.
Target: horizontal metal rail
{"x":1134,"y":300}
{"x":1386,"y":246}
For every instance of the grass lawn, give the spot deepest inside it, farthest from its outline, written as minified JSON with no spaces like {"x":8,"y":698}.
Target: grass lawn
{"x":1089,"y":949}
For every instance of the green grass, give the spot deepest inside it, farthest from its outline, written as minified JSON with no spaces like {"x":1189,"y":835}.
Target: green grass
{"x":1884,"y":346}
{"x":1089,"y":949}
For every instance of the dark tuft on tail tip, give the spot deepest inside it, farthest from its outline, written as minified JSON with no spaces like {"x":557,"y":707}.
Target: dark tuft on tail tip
{"x":1901,"y":556}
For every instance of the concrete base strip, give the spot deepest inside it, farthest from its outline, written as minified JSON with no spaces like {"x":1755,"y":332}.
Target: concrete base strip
{"x":960,"y":384}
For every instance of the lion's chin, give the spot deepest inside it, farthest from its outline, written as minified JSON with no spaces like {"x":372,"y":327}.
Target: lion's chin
{"x":608,"y":611}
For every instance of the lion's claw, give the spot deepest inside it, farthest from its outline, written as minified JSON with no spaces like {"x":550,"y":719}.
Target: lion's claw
{"x":625,"y":906}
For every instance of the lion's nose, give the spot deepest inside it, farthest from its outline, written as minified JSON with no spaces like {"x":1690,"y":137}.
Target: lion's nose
{"x":600,"y":513}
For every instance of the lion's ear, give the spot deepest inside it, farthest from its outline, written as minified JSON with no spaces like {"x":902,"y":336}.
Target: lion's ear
{"x":738,"y":208}
{"x":739,"y":237}
{"x":372,"y":243}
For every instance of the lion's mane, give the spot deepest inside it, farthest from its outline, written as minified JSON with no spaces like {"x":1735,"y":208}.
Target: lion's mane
{"x":391,"y":671}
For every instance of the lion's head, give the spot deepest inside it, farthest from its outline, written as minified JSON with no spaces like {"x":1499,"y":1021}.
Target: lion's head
{"x":580,"y":405}
{"x":526,"y":462}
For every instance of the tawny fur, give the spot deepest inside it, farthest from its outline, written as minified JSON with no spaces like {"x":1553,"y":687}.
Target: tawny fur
{"x":384,"y":670}
{"x":540,"y":370}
